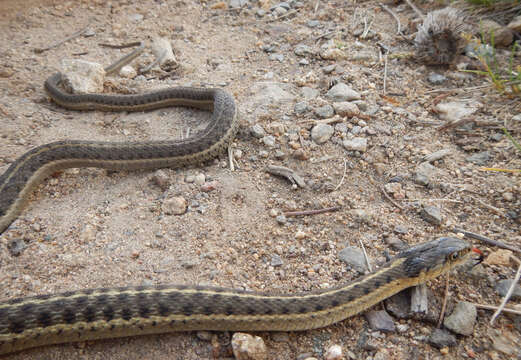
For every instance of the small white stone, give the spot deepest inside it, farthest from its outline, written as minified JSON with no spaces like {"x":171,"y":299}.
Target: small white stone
{"x":247,"y":347}
{"x":334,"y":353}
{"x":128,"y":72}
{"x":199,"y":179}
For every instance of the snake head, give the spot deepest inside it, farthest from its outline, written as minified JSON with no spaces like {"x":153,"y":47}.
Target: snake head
{"x":435,"y":256}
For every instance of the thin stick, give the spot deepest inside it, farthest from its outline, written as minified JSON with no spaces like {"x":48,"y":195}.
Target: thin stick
{"x":368,"y":262}
{"x":491,"y":307}
{"x":343,"y":176}
{"x":289,"y":13}
{"x":490,"y":207}
{"x":385,"y":73}
{"x":444,"y":304}
{"x":58,"y":43}
{"x":312,"y":212}
{"x":230,"y":158}
{"x":507,"y":296}
{"x":486,"y":240}
{"x":390,"y":199}
{"x":399,"y":25}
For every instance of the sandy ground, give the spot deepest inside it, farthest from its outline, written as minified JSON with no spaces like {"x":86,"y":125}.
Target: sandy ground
{"x":89,"y":228}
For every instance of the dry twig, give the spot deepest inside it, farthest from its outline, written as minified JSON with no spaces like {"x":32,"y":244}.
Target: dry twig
{"x":311,"y":212}
{"x":444,"y":304}
{"x":343,"y":176}
{"x":58,"y":43}
{"x":486,"y":240}
{"x":490,"y":307}
{"x":508,"y":294}
{"x":398,"y":23}
{"x":382,"y":189}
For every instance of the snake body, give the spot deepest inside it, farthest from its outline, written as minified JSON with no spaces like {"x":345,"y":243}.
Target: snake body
{"x":31,"y":168}
{"x":128,"y":311}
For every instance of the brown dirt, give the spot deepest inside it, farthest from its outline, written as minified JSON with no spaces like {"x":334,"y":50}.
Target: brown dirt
{"x":89,"y":228}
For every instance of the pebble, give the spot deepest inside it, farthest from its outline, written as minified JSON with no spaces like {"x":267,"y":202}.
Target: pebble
{"x":321,"y":133}
{"x":300,"y":154}
{"x":345,"y":108}
{"x":480,"y":158}
{"x":248,"y":347}
{"x":303,"y":50}
{"x":432,"y":214}
{"x":440,"y":338}
{"x":277,"y":57}
{"x":333,"y":54}
{"x":176,"y":205}
{"x":257,"y":131}
{"x":161,"y":179}
{"x":353,"y":257}
{"x":312,"y":23}
{"x":199,"y":179}
{"x":209,"y":186}
{"x":309,"y":93}
{"x":380,"y":320}
{"x":281,"y":336}
{"x":503,"y":286}
{"x":424,"y":173}
{"x":342,"y":92}
{"x":204,"y":335}
{"x":355,"y":144}
{"x":235,"y":4}
{"x":462,"y":319}
{"x":334,"y":352}
{"x":325,"y":111}
{"x":281,"y":219}
{"x":436,"y":79}
{"x":128,"y":72}
{"x":16,"y":246}
{"x":276,"y":261}
{"x":456,"y":110}
{"x":269,"y":141}
{"x":301,"y":107}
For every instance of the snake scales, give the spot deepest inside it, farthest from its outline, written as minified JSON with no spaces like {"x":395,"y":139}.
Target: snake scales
{"x":31,"y":168}
{"x":127,"y":311}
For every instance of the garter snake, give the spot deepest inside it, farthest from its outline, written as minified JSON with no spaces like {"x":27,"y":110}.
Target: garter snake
{"x":31,"y":168}
{"x":128,"y":311}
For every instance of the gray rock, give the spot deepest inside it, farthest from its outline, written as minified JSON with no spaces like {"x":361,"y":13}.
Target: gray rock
{"x":440,"y":338}
{"x":356,"y":130}
{"x":353,"y":257}
{"x":301,"y":107}
{"x":260,"y":12}
{"x":303,"y":62}
{"x":309,"y":93}
{"x":462,"y":319}
{"x":480,"y":158}
{"x":283,"y":5}
{"x":303,"y":50}
{"x":342,"y":92}
{"x":355,"y":144}
{"x":401,"y":229}
{"x":399,"y":305}
{"x":82,"y":77}
{"x":277,"y":57}
{"x":516,"y":118}
{"x":424,"y":172}
{"x":280,"y":155}
{"x":503,"y":286}
{"x":279,"y":11}
{"x":456,"y":110}
{"x":268,"y":140}
{"x":325,"y":111}
{"x":176,"y":205}
{"x":281,"y":219}
{"x":257,"y":131}
{"x":380,"y":320}
{"x":436,"y":79}
{"x":341,"y":127}
{"x":312,"y":23}
{"x":276,"y":260}
{"x":321,"y":133}
{"x":432,"y":215}
{"x":345,"y":108}
{"x":268,"y":92}
{"x":329,"y":68}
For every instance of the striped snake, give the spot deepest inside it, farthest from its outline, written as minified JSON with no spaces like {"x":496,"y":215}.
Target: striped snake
{"x":35,"y":165}
{"x":129,"y":311}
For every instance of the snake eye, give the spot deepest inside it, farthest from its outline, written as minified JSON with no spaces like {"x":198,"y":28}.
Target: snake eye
{"x":454,"y":256}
